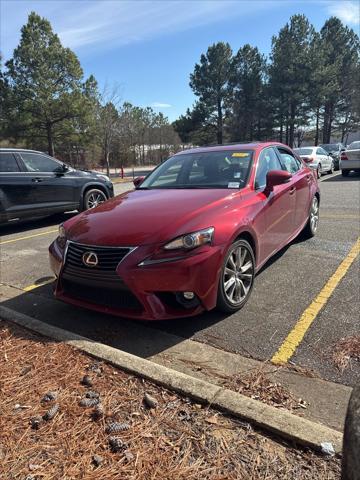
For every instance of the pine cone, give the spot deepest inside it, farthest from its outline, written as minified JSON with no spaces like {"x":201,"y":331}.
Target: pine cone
{"x":50,"y":414}
{"x":116,"y":444}
{"x":86,"y":381}
{"x":49,"y":396}
{"x":98,"y":412}
{"x":92,"y":394}
{"x":89,"y":402}
{"x":36,"y":422}
{"x":115,"y":427}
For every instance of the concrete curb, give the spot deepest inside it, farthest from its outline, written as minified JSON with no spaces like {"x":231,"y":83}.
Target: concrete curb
{"x":281,"y":422}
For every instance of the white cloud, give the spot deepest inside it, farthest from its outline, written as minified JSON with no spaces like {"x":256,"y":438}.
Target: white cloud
{"x":104,"y":23}
{"x":347,"y":11}
{"x":160,"y":105}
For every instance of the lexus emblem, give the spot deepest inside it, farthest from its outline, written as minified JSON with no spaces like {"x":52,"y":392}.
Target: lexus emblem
{"x":90,"y":259}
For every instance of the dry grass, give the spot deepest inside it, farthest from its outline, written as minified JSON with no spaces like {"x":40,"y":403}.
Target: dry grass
{"x":176,"y":440}
{"x":258,"y":385}
{"x":345,"y":351}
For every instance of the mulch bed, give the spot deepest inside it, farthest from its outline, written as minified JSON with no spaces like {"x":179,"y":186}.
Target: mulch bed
{"x":56,"y":424}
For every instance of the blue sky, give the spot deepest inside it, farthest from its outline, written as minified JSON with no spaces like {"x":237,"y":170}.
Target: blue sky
{"x":149,"y":48}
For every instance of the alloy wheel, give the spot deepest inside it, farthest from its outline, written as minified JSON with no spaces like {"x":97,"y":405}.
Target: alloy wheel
{"x":238,"y":275}
{"x":314,"y":215}
{"x":95,"y":199}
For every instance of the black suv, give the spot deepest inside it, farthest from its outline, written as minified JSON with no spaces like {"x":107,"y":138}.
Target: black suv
{"x":32,"y":184}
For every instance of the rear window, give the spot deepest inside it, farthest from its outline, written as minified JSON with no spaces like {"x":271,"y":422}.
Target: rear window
{"x":303,"y":151}
{"x":8,"y":162}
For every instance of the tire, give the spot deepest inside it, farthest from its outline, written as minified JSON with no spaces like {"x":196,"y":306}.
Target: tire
{"x":239,"y":255}
{"x":318,"y":171}
{"x":344,"y":173}
{"x":311,"y":226}
{"x":332,"y":168}
{"x":93,"y":198}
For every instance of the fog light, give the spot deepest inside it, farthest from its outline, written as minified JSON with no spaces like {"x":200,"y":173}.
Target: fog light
{"x":188,"y":295}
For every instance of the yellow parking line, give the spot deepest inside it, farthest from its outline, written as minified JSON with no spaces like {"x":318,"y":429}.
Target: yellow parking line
{"x":28,"y":236}
{"x":292,"y":341}
{"x":37,"y":285}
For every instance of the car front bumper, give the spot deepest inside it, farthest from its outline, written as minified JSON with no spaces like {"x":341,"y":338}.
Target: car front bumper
{"x":154,"y":289}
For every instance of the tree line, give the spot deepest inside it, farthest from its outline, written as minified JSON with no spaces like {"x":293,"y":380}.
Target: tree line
{"x":308,"y":87}
{"x":48,"y":105}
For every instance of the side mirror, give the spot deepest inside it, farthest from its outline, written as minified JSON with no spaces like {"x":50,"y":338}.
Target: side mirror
{"x":342,"y":149}
{"x":61,"y":169}
{"x":276,"y":177}
{"x":138,"y":181}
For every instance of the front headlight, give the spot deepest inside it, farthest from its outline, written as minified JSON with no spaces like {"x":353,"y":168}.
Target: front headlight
{"x":191,"y":240}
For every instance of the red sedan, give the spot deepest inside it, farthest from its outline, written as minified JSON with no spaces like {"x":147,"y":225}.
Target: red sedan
{"x":190,"y":237}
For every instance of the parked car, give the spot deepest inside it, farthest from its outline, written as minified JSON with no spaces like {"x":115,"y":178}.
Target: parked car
{"x":317,"y":158}
{"x":190,"y":237}
{"x":334,"y":149}
{"x":32,"y":184}
{"x":350,"y":159}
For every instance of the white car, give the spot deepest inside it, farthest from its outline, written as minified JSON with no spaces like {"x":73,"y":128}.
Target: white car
{"x":317,"y":158}
{"x":350,"y":159}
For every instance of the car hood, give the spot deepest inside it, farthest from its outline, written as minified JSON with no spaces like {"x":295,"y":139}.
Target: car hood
{"x":148,"y":216}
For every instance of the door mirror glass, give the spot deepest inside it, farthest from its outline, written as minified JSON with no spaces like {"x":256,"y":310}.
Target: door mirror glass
{"x":138,"y":181}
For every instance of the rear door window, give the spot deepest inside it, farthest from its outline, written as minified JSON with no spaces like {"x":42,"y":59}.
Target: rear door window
{"x":289,"y":161}
{"x":8,"y":162}
{"x":35,"y":162}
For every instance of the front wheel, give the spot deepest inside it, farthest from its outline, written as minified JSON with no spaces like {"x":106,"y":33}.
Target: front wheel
{"x":344,"y":173}
{"x":237,"y":277}
{"x":332,"y":168}
{"x":313,"y":222}
{"x":93,"y":198}
{"x":318,"y":171}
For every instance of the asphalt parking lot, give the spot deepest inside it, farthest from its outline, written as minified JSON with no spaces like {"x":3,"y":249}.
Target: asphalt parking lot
{"x":285,"y":288}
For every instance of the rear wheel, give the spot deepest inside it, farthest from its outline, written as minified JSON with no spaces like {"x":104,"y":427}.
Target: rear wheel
{"x":237,"y":277}
{"x":344,"y":173}
{"x":93,"y":198}
{"x":313,"y":222}
{"x":318,"y":171}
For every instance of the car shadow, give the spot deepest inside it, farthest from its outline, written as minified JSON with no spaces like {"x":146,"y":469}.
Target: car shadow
{"x":22,"y":226}
{"x":352,"y":177}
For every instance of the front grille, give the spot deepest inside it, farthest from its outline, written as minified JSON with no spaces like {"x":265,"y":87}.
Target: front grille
{"x":122,"y":299}
{"x":100,"y":284}
{"x":109,"y":257}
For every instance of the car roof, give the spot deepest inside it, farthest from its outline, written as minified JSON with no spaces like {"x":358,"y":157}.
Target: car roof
{"x":231,"y":146}
{"x":19,"y":150}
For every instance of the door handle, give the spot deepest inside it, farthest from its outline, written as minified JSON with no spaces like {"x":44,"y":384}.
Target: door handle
{"x":37,"y":179}
{"x":292,"y":190}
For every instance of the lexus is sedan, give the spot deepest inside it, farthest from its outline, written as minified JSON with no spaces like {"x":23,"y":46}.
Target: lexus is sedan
{"x":190,"y":237}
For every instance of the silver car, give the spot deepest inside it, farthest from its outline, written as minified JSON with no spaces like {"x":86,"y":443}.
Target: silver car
{"x":317,"y":158}
{"x":350,"y":159}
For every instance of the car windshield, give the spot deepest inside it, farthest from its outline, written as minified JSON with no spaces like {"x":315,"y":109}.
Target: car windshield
{"x":330,"y":147}
{"x":303,"y":151}
{"x":216,"y":169}
{"x":354,"y":146}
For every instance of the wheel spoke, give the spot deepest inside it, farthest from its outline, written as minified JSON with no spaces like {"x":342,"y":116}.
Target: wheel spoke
{"x":246,"y":267}
{"x":230,"y":271}
{"x":229,"y":283}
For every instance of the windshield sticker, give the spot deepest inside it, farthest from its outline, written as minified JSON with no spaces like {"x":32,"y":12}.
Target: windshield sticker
{"x":240,"y":154}
{"x":237,"y":174}
{"x":233,"y":185}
